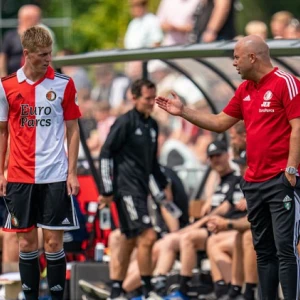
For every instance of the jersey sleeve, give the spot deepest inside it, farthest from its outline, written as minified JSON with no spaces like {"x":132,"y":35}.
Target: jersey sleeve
{"x":70,"y":102}
{"x":113,"y":144}
{"x":3,"y":104}
{"x":289,"y":93}
{"x":234,"y":107}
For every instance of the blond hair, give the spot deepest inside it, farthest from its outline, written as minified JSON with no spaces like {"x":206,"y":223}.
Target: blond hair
{"x":257,"y":28}
{"x":282,"y":16}
{"x":36,"y":37}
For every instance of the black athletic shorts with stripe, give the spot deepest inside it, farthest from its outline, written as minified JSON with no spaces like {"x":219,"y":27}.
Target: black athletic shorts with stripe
{"x":133,"y":215}
{"x":39,"y":205}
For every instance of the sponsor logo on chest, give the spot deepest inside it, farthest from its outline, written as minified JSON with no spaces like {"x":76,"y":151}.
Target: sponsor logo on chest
{"x":267,"y":103}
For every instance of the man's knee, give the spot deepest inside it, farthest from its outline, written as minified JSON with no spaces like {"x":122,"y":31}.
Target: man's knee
{"x":147,"y":238}
{"x":53,"y":241}
{"x":28,"y":241}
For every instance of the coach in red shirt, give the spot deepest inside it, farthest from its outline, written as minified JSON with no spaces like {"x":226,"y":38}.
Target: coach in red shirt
{"x":269,"y":103}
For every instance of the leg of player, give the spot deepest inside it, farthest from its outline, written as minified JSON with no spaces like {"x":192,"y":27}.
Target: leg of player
{"x":29,"y":263}
{"x":145,"y":243}
{"x":56,"y":262}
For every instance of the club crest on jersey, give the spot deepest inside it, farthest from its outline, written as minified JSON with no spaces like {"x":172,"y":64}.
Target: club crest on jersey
{"x":51,"y":96}
{"x":14,"y":221}
{"x":268,"y":96}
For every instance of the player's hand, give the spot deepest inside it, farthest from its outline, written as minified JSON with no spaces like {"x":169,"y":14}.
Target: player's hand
{"x":72,"y":185}
{"x":105,"y":201}
{"x":241,"y":205}
{"x":291,"y":179}
{"x":172,"y":106}
{"x":216,"y":224}
{"x":3,"y":184}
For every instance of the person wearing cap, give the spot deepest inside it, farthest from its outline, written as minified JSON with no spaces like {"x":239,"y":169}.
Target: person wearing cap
{"x":268,"y":101}
{"x":193,"y":238}
{"x":243,"y":256}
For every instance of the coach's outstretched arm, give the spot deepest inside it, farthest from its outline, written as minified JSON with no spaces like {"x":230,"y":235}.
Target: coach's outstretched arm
{"x":218,"y":123}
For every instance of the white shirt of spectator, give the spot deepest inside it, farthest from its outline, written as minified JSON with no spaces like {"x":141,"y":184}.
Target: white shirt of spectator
{"x":143,"y":32}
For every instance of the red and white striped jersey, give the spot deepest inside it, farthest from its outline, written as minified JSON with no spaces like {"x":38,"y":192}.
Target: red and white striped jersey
{"x":36,"y":113}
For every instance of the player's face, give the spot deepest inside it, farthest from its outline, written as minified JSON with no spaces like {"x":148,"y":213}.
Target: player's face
{"x":145,"y":103}
{"x":219,"y":162}
{"x":40,"y":59}
{"x":242,"y":61}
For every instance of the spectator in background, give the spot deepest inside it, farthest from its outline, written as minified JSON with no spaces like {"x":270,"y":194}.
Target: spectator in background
{"x":213,"y":20}
{"x":104,"y":119}
{"x":176,"y":20}
{"x":79,"y":75}
{"x":292,"y":31}
{"x":110,"y":87}
{"x":11,"y":54}
{"x":144,"y":29}
{"x":279,"y":22}
{"x":257,"y":28}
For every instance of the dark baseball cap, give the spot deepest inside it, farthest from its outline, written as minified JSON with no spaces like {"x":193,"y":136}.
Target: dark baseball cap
{"x":242,"y":159}
{"x":216,"y":147}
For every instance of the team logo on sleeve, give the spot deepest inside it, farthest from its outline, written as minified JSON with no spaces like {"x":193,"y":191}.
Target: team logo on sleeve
{"x":51,"y":95}
{"x":268,"y":96}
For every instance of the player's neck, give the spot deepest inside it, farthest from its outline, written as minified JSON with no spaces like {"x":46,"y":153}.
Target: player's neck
{"x":32,"y":74}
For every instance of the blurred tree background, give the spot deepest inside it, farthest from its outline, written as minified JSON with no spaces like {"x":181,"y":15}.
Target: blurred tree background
{"x":88,"y":25}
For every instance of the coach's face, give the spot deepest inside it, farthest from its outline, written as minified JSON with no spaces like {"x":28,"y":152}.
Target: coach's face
{"x":39,"y":60}
{"x":145,"y":103}
{"x":242,"y":61}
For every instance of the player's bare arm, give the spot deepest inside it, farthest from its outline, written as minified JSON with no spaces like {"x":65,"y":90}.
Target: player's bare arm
{"x":3,"y":149}
{"x":73,"y":147}
{"x":213,"y":122}
{"x":294,"y":153}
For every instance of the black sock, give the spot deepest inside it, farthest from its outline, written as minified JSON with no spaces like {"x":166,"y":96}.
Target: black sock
{"x":116,"y":288}
{"x":234,"y":290}
{"x":159,"y":284}
{"x":221,"y":288}
{"x":56,"y":273}
{"x":183,"y":284}
{"x":30,"y":274}
{"x":146,"y":285}
{"x":250,"y":291}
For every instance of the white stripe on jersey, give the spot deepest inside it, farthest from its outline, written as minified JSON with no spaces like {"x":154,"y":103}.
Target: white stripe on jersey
{"x":107,"y":183}
{"x":290,"y":82}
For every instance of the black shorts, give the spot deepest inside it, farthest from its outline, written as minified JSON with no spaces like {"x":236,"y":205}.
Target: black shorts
{"x":39,"y":205}
{"x":133,"y":215}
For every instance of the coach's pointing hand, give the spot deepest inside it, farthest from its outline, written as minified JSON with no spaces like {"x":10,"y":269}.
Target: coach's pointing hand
{"x":173,"y":106}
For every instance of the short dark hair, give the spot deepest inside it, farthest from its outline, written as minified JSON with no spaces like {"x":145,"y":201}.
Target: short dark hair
{"x":136,"y":87}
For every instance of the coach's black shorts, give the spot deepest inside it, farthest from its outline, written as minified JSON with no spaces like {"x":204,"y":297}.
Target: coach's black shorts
{"x":133,"y":215}
{"x":39,"y":205}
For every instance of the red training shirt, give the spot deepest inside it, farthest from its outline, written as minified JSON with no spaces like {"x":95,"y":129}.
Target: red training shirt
{"x":267,"y":108}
